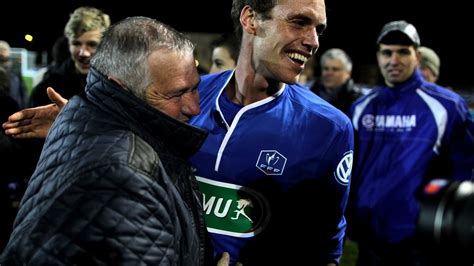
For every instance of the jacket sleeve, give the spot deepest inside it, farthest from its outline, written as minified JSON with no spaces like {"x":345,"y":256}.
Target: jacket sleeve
{"x":339,"y":182}
{"x":460,"y":144}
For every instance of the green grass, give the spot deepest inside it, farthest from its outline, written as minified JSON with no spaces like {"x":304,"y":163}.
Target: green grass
{"x":349,"y":256}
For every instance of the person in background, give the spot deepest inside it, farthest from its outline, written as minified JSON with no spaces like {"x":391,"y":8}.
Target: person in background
{"x":225,"y":51}
{"x":307,"y":78}
{"x":60,"y":54}
{"x":336,"y":85}
{"x":275,"y":151}
{"x":9,"y":155}
{"x":83,"y":32}
{"x":407,"y":132}
{"x":17,"y":89}
{"x":113,"y":186}
{"x":429,"y":64}
{"x":7,"y":107}
{"x":17,"y":159}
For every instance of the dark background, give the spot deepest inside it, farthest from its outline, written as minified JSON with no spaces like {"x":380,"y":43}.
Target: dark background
{"x":352,"y":25}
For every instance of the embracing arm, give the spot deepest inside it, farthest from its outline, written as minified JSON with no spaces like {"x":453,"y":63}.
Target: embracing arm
{"x":35,"y":122}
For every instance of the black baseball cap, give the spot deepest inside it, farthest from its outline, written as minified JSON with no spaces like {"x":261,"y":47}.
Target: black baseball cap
{"x":399,"y":32}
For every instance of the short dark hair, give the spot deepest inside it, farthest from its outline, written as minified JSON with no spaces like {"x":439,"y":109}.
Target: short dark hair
{"x":263,"y":7}
{"x":228,"y":41}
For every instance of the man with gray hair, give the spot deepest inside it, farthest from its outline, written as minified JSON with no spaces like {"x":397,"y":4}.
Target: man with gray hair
{"x":113,"y":186}
{"x":336,"y":85}
{"x":17,"y":89}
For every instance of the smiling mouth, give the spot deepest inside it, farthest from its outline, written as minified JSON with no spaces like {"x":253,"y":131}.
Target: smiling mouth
{"x":297,"y":58}
{"x":394,"y":72}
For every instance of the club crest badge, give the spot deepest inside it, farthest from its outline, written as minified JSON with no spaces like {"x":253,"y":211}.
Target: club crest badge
{"x":271,"y":162}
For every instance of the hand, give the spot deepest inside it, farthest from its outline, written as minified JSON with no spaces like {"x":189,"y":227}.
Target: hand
{"x":35,"y":122}
{"x":225,"y":260}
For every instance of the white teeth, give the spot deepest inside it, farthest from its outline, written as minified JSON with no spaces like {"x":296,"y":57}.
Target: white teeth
{"x":297,"y":56}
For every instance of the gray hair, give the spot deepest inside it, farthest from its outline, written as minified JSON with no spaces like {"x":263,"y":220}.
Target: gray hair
{"x":4,"y":46}
{"x":337,"y":54}
{"x":126,"y":46}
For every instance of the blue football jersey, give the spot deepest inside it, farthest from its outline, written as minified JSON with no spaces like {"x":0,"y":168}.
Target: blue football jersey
{"x":268,"y":169}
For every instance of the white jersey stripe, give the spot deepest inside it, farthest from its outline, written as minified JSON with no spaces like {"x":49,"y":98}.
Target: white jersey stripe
{"x":440,"y":115}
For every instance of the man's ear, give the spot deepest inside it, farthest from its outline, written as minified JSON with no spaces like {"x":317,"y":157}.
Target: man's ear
{"x":248,"y":19}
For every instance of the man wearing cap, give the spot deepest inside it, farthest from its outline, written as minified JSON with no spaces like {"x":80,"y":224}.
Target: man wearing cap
{"x":429,"y":64}
{"x":407,"y":131}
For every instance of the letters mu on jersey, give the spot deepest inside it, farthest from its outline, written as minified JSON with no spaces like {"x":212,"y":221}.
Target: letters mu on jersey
{"x":233,"y":210}
{"x":239,"y":211}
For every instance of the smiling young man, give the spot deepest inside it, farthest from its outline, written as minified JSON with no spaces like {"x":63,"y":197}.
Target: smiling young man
{"x":277,"y":155}
{"x":407,"y":131}
{"x":84,"y":32}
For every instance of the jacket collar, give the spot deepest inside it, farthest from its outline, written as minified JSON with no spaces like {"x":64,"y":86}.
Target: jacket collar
{"x":258,"y":106}
{"x":415,"y":81}
{"x":155,"y":127}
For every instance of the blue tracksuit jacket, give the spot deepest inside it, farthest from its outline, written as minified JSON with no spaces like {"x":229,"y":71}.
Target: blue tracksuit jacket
{"x":404,"y":136}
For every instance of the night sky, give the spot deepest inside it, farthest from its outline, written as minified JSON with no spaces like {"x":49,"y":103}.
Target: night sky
{"x":352,"y":25}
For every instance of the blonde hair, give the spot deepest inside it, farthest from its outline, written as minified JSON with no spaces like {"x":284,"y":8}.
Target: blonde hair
{"x":85,"y":19}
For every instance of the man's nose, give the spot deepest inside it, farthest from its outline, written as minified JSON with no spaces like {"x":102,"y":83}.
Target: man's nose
{"x":84,"y":52}
{"x":191,"y":103}
{"x":312,"y":40}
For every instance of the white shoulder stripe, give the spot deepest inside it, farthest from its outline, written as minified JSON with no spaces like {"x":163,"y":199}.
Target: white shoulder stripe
{"x":440,"y":115}
{"x":358,"y":110}
{"x":218,"y":108}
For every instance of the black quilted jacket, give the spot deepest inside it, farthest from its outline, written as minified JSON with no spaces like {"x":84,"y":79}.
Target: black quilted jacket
{"x":112,"y":187}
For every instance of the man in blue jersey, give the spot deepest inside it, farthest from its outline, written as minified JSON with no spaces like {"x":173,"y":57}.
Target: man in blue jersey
{"x":276,"y":166}
{"x":407,"y":131}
